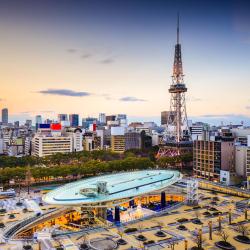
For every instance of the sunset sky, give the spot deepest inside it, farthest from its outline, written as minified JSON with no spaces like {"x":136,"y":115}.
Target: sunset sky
{"x":116,"y":56}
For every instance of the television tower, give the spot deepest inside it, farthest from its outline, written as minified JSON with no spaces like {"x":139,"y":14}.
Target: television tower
{"x":177,"y":137}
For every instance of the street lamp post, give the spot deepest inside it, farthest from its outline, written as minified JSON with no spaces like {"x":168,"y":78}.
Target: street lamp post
{"x":186,"y":244}
{"x":219,"y":223}
{"x":210,"y":229}
{"x":230,"y":216}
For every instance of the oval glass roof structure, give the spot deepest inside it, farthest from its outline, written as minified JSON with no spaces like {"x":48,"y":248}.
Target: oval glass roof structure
{"x":108,"y":188}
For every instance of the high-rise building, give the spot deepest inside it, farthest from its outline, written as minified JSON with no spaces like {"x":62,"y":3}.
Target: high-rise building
{"x":196,"y":129}
{"x":110,"y":118}
{"x":38,"y":121}
{"x":48,"y":121}
{"x":102,"y":118}
{"x":62,"y":117}
{"x":167,"y":116}
{"x":86,"y":122}
{"x":133,"y":140}
{"x":211,"y":155}
{"x":28,"y":123}
{"x":5,"y":116}
{"x":16,"y":124}
{"x":77,"y":138}
{"x":121,"y":117}
{"x":74,"y":120}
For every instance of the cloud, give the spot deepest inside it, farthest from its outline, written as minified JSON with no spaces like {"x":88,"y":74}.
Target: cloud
{"x":217,"y":119}
{"x":107,"y":97}
{"x":241,"y":20}
{"x":131,"y":99}
{"x":37,"y":111}
{"x":64,"y":92}
{"x":71,"y":50}
{"x":85,"y":56}
{"x":107,"y":61}
{"x":219,"y":115}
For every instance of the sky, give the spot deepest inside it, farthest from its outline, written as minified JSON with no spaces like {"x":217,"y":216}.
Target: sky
{"x":115,"y":56}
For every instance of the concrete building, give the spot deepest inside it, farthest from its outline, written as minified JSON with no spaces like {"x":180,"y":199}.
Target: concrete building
{"x":28,"y":146}
{"x":241,"y":160}
{"x":77,"y":138}
{"x":74,"y":120}
{"x":118,"y":139}
{"x":62,"y":117}
{"x":133,"y":140}
{"x":16,"y":147}
{"x":241,"y":134}
{"x":28,"y":123}
{"x":101,"y":134}
{"x":38,"y":121}
{"x":5,"y":116}
{"x":49,"y":140}
{"x":165,"y":115}
{"x":102,"y":118}
{"x":86,"y":122}
{"x":91,"y":141}
{"x":110,"y":118}
{"x":211,"y":155}
{"x":48,"y":145}
{"x":155,"y":138}
{"x":196,"y":129}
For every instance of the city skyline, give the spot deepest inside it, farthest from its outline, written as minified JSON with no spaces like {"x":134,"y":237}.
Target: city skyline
{"x":116,"y":57}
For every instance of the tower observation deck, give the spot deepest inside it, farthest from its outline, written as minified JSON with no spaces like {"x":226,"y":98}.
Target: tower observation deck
{"x":177,"y":139}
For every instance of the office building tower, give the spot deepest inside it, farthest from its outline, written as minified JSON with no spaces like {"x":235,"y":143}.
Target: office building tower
{"x":62,"y":117}
{"x":86,"y":122}
{"x":133,"y":140}
{"x":121,"y":117}
{"x":48,"y":121}
{"x":111,"y":118}
{"x":38,"y":121}
{"x":74,"y":120}
{"x":196,"y":129}
{"x":5,"y":118}
{"x":213,"y":154}
{"x":28,"y":123}
{"x":167,"y":116}
{"x":16,"y":124}
{"x":77,"y":138}
{"x":102,"y":118}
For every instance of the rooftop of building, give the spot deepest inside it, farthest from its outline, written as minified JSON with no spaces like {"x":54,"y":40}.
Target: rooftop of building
{"x":116,"y":186}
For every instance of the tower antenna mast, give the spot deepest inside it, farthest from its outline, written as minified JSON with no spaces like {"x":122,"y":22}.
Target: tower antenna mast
{"x":177,"y":139}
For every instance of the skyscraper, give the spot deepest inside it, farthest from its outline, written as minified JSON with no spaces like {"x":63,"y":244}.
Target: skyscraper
{"x":5,"y":115}
{"x":62,"y":117}
{"x":167,"y":116}
{"x":38,"y":121}
{"x":74,"y":120}
{"x":102,"y":118}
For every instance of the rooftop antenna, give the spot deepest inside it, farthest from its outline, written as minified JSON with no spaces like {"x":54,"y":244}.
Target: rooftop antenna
{"x":178,"y":27}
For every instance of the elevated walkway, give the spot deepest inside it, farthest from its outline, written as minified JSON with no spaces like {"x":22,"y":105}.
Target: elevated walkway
{"x":30,"y":222}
